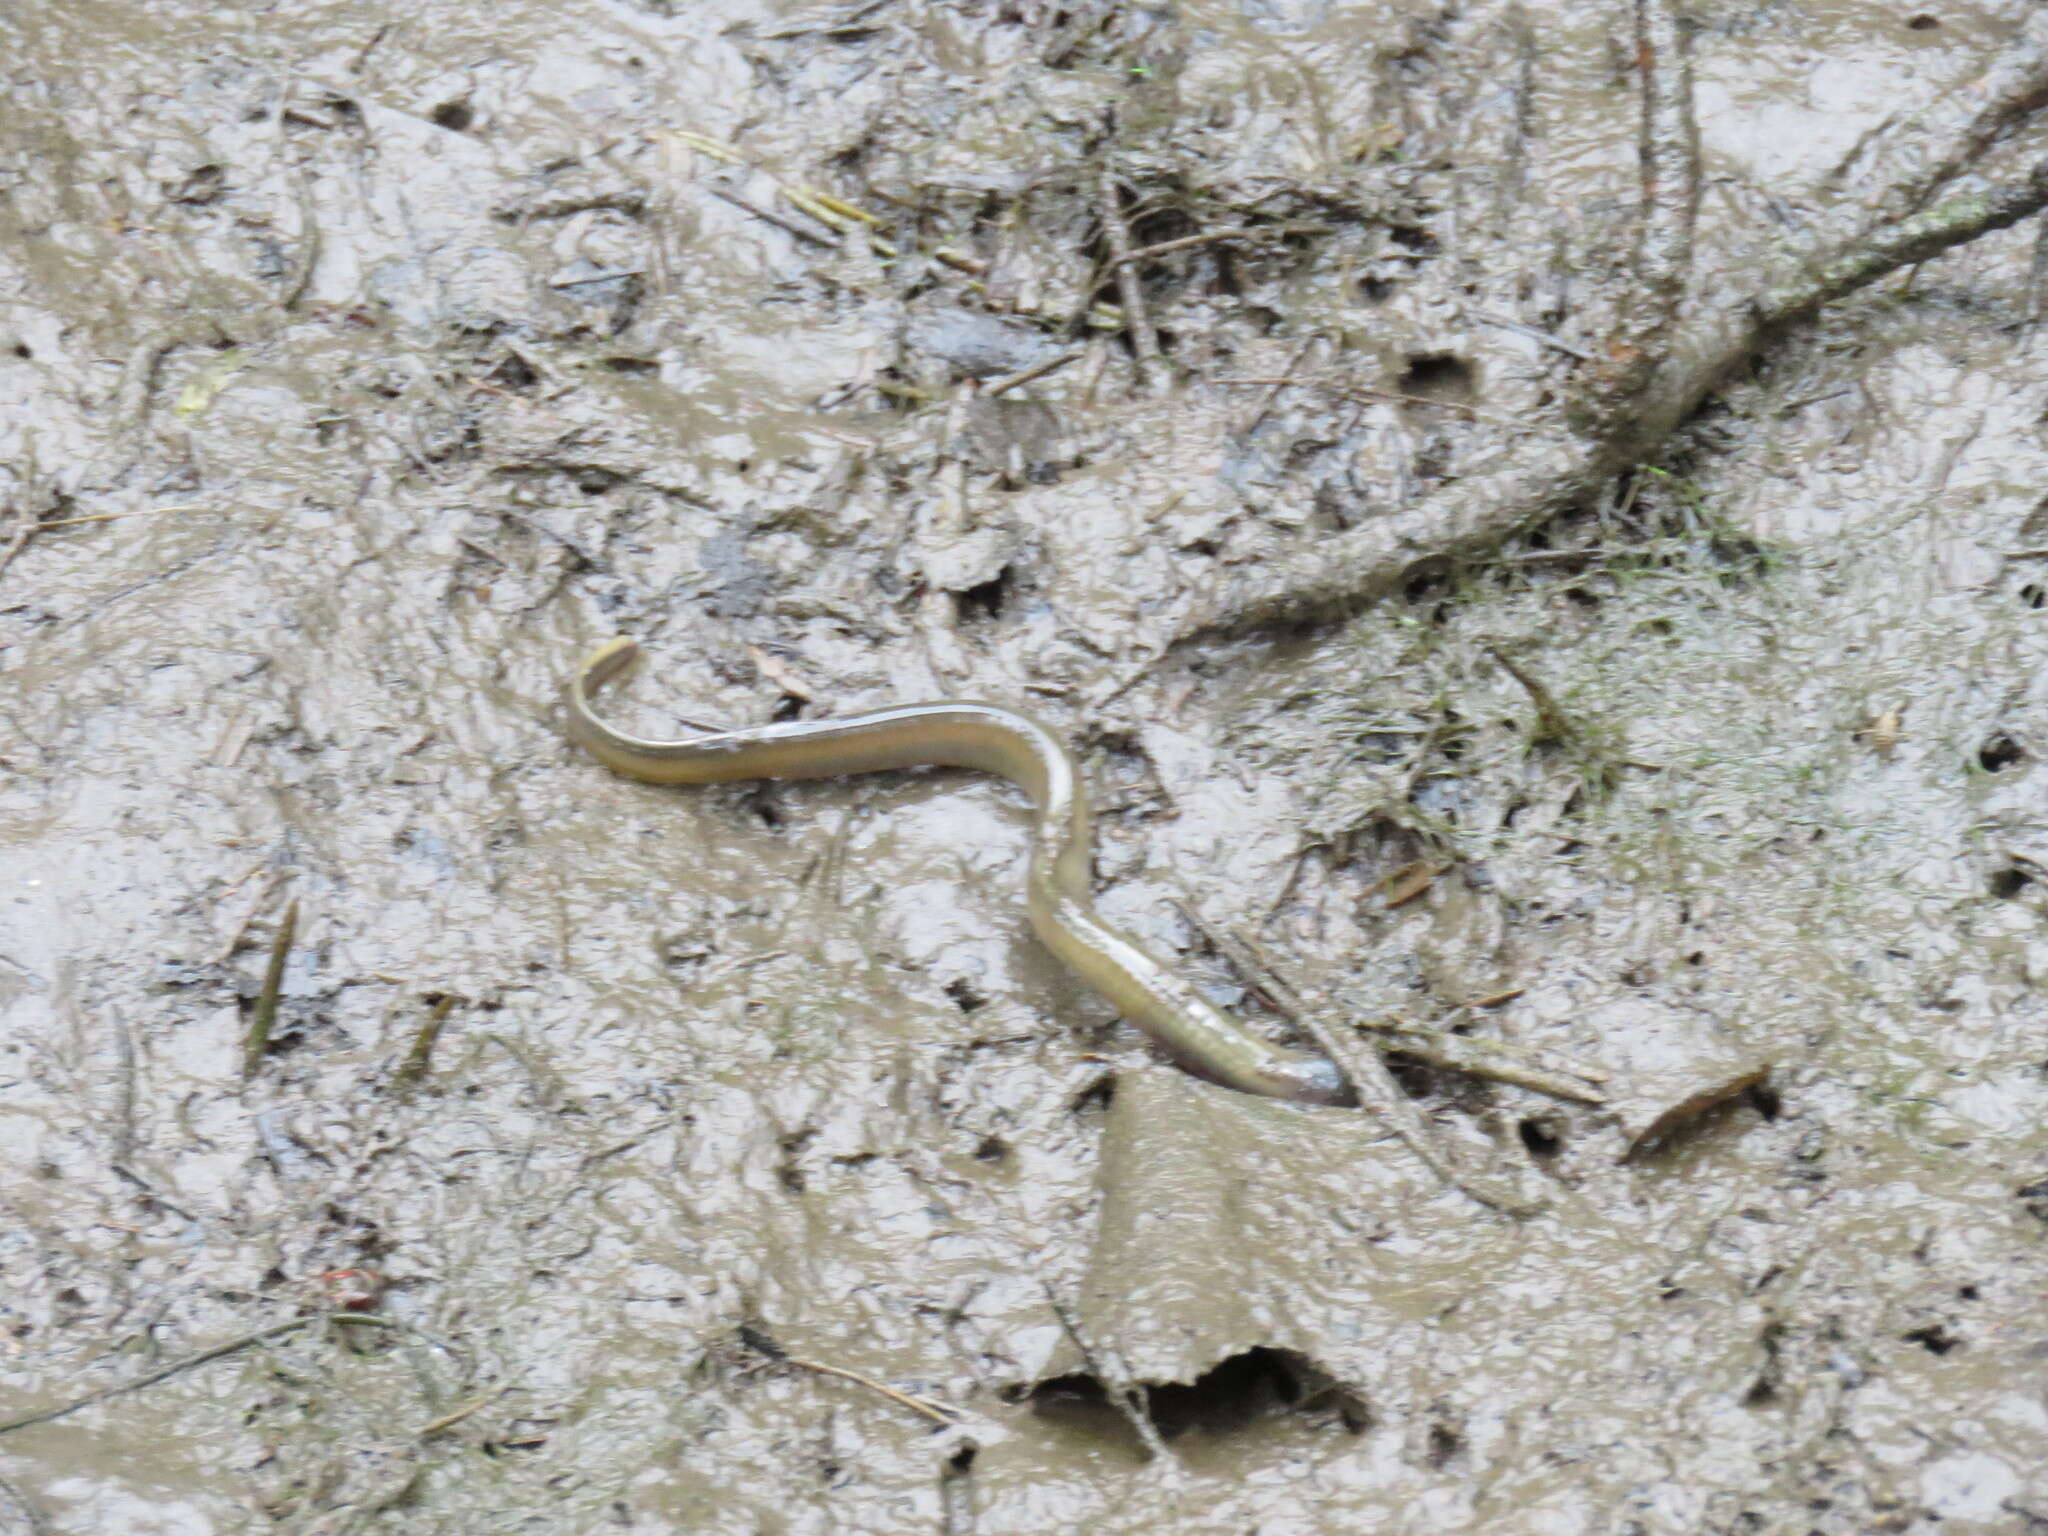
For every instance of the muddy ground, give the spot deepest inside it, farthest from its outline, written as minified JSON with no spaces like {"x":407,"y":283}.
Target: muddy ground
{"x":364,"y":364}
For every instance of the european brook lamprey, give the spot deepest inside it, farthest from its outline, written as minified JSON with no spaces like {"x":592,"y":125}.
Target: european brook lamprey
{"x":961,"y":734}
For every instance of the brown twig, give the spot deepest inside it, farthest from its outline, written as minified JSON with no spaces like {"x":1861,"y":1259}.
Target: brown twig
{"x":1279,"y":385}
{"x":419,"y":1059}
{"x":1030,"y":375}
{"x":300,"y":276}
{"x":264,"y":1016}
{"x":1137,"y":319}
{"x":1126,"y":1394}
{"x":1947,"y":137}
{"x":27,"y":521}
{"x":1552,"y":723}
{"x":26,"y":527}
{"x":937,"y":1412}
{"x":1375,"y":1085}
{"x":164,"y":1373}
{"x":257,"y":903}
{"x":769,"y":216}
{"x":1545,"y":476}
{"x":114,"y":517}
{"x":455,"y":1416}
{"x":1670,"y":166}
{"x":1533,"y":332}
{"x":38,"y":1522}
{"x":1500,"y":1061}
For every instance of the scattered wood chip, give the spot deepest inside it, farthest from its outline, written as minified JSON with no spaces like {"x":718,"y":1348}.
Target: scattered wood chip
{"x":1403,"y":885}
{"x":778,"y":672}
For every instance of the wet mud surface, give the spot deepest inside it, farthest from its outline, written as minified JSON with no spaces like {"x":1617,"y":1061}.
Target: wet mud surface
{"x":362,"y":366}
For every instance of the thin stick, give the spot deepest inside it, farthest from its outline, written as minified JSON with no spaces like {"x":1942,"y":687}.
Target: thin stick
{"x":115,"y":517}
{"x":1551,"y":720}
{"x":1125,"y":1394}
{"x":1534,"y":333}
{"x":1470,"y":517}
{"x":1030,"y":375}
{"x":256,"y":906}
{"x":124,"y":1102}
{"x":1376,"y":1087}
{"x":1670,"y":165}
{"x":1908,"y":243}
{"x":300,"y":277}
{"x":38,"y":1522}
{"x":1137,"y":320}
{"x":1947,"y":137}
{"x":257,"y":1041}
{"x":26,"y":527}
{"x":1500,"y":1061}
{"x":937,"y":1412}
{"x":451,"y":1419}
{"x":164,"y":1373}
{"x":1273,"y":395}
{"x":788,"y":226}
{"x":420,"y":1058}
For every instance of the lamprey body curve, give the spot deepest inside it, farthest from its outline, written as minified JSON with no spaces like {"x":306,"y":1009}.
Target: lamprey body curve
{"x":962,"y":734}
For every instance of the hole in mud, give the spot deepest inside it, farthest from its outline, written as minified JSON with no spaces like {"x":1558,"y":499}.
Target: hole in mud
{"x":1934,"y":1338}
{"x":1228,"y":1397}
{"x":1426,"y":580}
{"x":2036,"y":1197}
{"x":791,"y":1177}
{"x":1922,"y":23}
{"x":762,"y":803}
{"x":638,"y":367}
{"x":1444,"y":1445}
{"x":22,"y":351}
{"x":1967,"y":1292}
{"x":1374,"y":290}
{"x":1764,"y":1099}
{"x":993,"y":1149}
{"x":1097,"y":1096}
{"x":966,"y":997}
{"x":2001,"y":751}
{"x":1410,"y":238}
{"x":2033,"y":595}
{"x":1541,"y":1137}
{"x":455,"y":116}
{"x":204,"y":184}
{"x":1438,"y":376}
{"x":1415,"y":1078}
{"x":986,"y":601}
{"x":2007,"y":883}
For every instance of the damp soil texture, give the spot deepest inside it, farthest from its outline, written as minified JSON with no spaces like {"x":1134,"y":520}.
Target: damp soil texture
{"x":409,"y":1126}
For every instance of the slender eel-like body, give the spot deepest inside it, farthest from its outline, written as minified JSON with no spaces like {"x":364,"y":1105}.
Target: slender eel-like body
{"x":959,"y":734}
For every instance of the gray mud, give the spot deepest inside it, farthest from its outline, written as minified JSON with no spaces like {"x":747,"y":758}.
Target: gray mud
{"x":403,"y":352}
